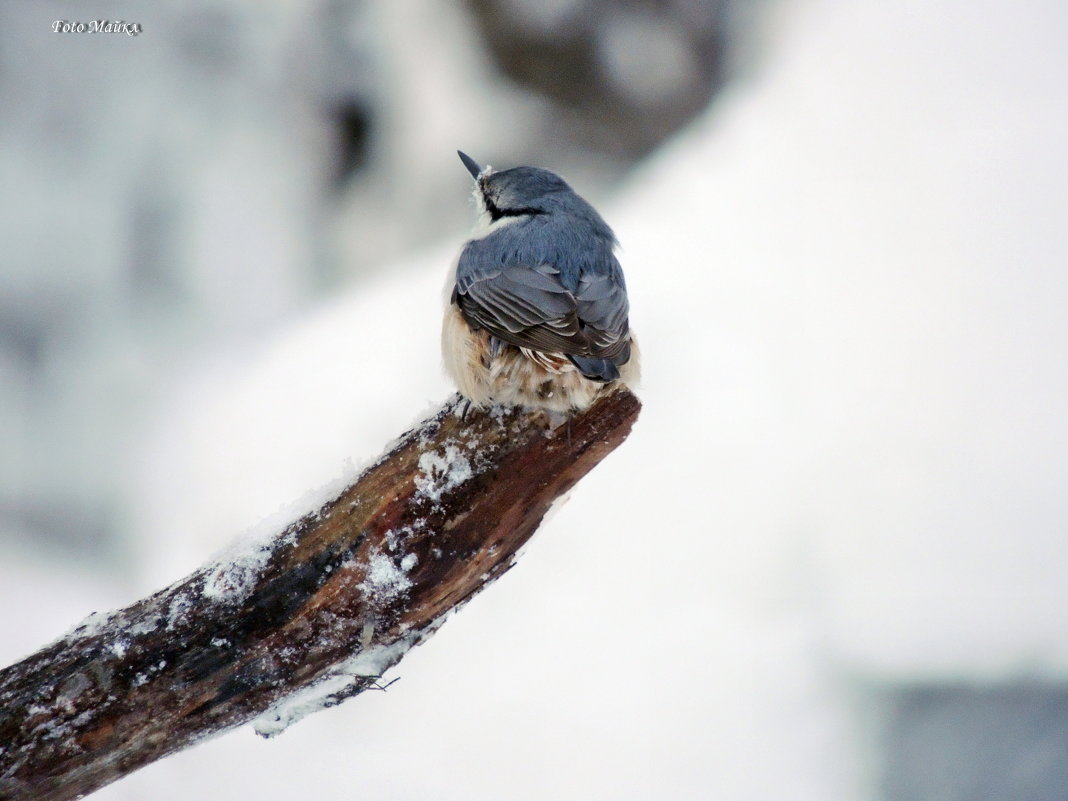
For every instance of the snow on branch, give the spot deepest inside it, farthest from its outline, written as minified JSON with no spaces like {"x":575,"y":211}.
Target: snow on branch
{"x":303,"y":621}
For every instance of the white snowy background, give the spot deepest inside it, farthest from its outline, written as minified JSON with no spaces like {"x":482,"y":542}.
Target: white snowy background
{"x":850,"y":476}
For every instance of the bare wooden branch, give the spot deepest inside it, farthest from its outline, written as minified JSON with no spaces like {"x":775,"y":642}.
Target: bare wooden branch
{"x":303,"y":621}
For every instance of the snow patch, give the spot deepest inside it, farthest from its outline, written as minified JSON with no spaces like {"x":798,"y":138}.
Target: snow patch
{"x":500,"y":413}
{"x":143,"y":627}
{"x":178,"y":610}
{"x":376,"y":661}
{"x":369,"y":662}
{"x":386,"y":580}
{"x":232,"y":582}
{"x":442,"y":471}
{"x":93,"y":624}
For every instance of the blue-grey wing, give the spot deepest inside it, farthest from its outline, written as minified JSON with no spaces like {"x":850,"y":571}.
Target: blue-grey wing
{"x":603,"y":311}
{"x":529,"y":305}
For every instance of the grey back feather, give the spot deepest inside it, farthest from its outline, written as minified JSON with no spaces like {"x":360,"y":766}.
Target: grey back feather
{"x":550,"y":281}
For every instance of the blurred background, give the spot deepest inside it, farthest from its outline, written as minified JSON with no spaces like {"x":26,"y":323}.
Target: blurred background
{"x":830,"y":563}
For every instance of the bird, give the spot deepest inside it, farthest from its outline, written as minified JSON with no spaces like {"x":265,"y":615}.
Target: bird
{"x":537,"y":313}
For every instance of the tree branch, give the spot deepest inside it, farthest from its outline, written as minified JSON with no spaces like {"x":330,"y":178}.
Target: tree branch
{"x":306,"y":620}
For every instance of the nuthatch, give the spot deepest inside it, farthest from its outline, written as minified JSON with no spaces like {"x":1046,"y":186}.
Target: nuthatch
{"x":537,"y":308}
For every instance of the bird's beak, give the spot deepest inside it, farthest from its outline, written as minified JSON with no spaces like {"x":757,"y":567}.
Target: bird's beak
{"x":470,"y":163}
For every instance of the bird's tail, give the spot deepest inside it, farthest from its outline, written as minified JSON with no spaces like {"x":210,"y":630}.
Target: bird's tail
{"x":595,"y":369}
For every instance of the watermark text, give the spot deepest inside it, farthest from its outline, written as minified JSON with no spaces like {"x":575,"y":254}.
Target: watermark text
{"x":97,"y":26}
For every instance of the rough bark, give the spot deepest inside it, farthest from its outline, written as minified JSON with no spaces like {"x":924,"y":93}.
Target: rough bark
{"x":306,"y":619}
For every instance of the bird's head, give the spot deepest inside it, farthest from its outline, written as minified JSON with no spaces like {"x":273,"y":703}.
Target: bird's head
{"x":519,"y":191}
